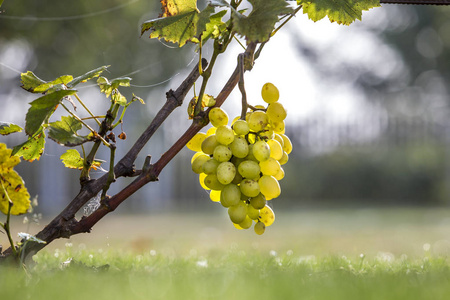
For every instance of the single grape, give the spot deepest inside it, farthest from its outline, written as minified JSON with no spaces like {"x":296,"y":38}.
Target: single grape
{"x":226,"y":172}
{"x":276,"y":151}
{"x":267,"y":215}
{"x":287,"y":144}
{"x":209,"y":144}
{"x":269,"y":186}
{"x":252,"y":212}
{"x":218,"y":117}
{"x":238,"y":212}
{"x":239,"y":147}
{"x":259,"y":107}
{"x":237,"y":178}
{"x":224,"y":135}
{"x":258,"y":120}
{"x":258,"y":202}
{"x":241,"y":127}
{"x":270,"y":166}
{"x":278,"y":127}
{"x":249,"y":187}
{"x":249,"y":169}
{"x":279,"y":175}
{"x":276,"y":112}
{"x":222,"y":153}
{"x":213,"y":183}
{"x":211,"y":131}
{"x":247,"y":223}
{"x":201,"y":179}
{"x":270,"y":93}
{"x":195,"y":144}
{"x":278,"y":138}
{"x":214,"y":196}
{"x":250,"y":155}
{"x":197,"y":164}
{"x":230,"y":195}
{"x":259,"y":228}
{"x":197,"y":154}
{"x":261,"y":151}
{"x":210,"y":166}
{"x":284,"y":159}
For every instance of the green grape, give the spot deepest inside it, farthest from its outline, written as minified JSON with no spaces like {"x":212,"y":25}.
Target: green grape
{"x":257,"y":121}
{"x":218,"y":117}
{"x":211,"y":131}
{"x":195,"y":144}
{"x":210,"y":166}
{"x":197,"y":154}
{"x":270,"y":166}
{"x":239,"y":147}
{"x":237,"y":212}
{"x":213,"y":183}
{"x":214,"y":196}
{"x":224,"y":135}
{"x":278,"y":138}
{"x":258,"y":202}
{"x":197,"y":164}
{"x":222,"y":153}
{"x":287,"y":144}
{"x":267,"y":215}
{"x":209,"y":144}
{"x":247,"y":223}
{"x":226,"y":172}
{"x":249,"y":187}
{"x":278,"y":127}
{"x":269,"y":186}
{"x":261,"y":151}
{"x":276,"y":112}
{"x":237,"y":226}
{"x":259,"y":228}
{"x":237,"y":161}
{"x":276,"y":151}
{"x":250,"y":155}
{"x":249,"y":169}
{"x":201,"y":179}
{"x":237,"y":178}
{"x":269,"y":93}
{"x":252,"y":212}
{"x":284,"y":159}
{"x":241,"y":127}
{"x":279,"y":175}
{"x":230,"y":195}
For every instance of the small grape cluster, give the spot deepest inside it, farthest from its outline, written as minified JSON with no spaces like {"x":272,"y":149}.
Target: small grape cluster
{"x":242,"y":164}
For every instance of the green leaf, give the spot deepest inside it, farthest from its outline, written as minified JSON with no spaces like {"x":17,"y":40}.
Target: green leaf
{"x":42,"y":108}
{"x":258,"y":25}
{"x":214,"y":27}
{"x":118,"y":98}
{"x":64,"y":132}
{"x":105,"y":85}
{"x":12,"y":186}
{"x":8,"y":128}
{"x":32,"y":148}
{"x":181,"y":22}
{"x":30,"y":81}
{"x":57,"y":84}
{"x":89,"y":75}
{"x":72,"y":159}
{"x":121,"y":81}
{"x":137,"y":98}
{"x":339,"y":11}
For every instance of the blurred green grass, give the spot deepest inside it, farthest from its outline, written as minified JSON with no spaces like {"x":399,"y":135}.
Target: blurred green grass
{"x":326,"y":254}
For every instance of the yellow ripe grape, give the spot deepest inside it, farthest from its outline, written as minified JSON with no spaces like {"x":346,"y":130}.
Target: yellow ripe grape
{"x":230,"y":196}
{"x":278,"y":127}
{"x":224,"y":135}
{"x":258,"y":120}
{"x":218,"y":117}
{"x":276,"y":151}
{"x":235,"y":119}
{"x":249,"y":169}
{"x":279,"y":175}
{"x":211,"y":131}
{"x":237,"y":226}
{"x":247,"y":116}
{"x":269,"y":187}
{"x":270,"y":93}
{"x":239,"y":147}
{"x":287,"y":144}
{"x":284,"y":159}
{"x":270,"y":166}
{"x":201,"y":179}
{"x":247,"y":223}
{"x":259,"y":107}
{"x":222,"y":153}
{"x":226,"y":172}
{"x":214,"y":196}
{"x":212,"y":182}
{"x":276,"y":137}
{"x":267,"y":133}
{"x":195,"y":144}
{"x":259,"y":228}
{"x":241,"y":127}
{"x":276,"y":112}
{"x":197,"y":164}
{"x":261,"y":151}
{"x":209,"y":144}
{"x":249,"y":187}
{"x":197,"y":154}
{"x":267,"y":216}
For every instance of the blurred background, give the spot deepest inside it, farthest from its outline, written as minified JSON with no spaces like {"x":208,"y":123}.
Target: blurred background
{"x":368,"y":104}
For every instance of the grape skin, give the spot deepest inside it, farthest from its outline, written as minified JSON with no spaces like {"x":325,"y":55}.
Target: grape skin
{"x":270,"y":93}
{"x":218,"y":117}
{"x":259,"y":228}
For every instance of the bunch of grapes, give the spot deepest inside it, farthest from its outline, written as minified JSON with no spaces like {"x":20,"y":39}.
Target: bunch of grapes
{"x":242,"y":164}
